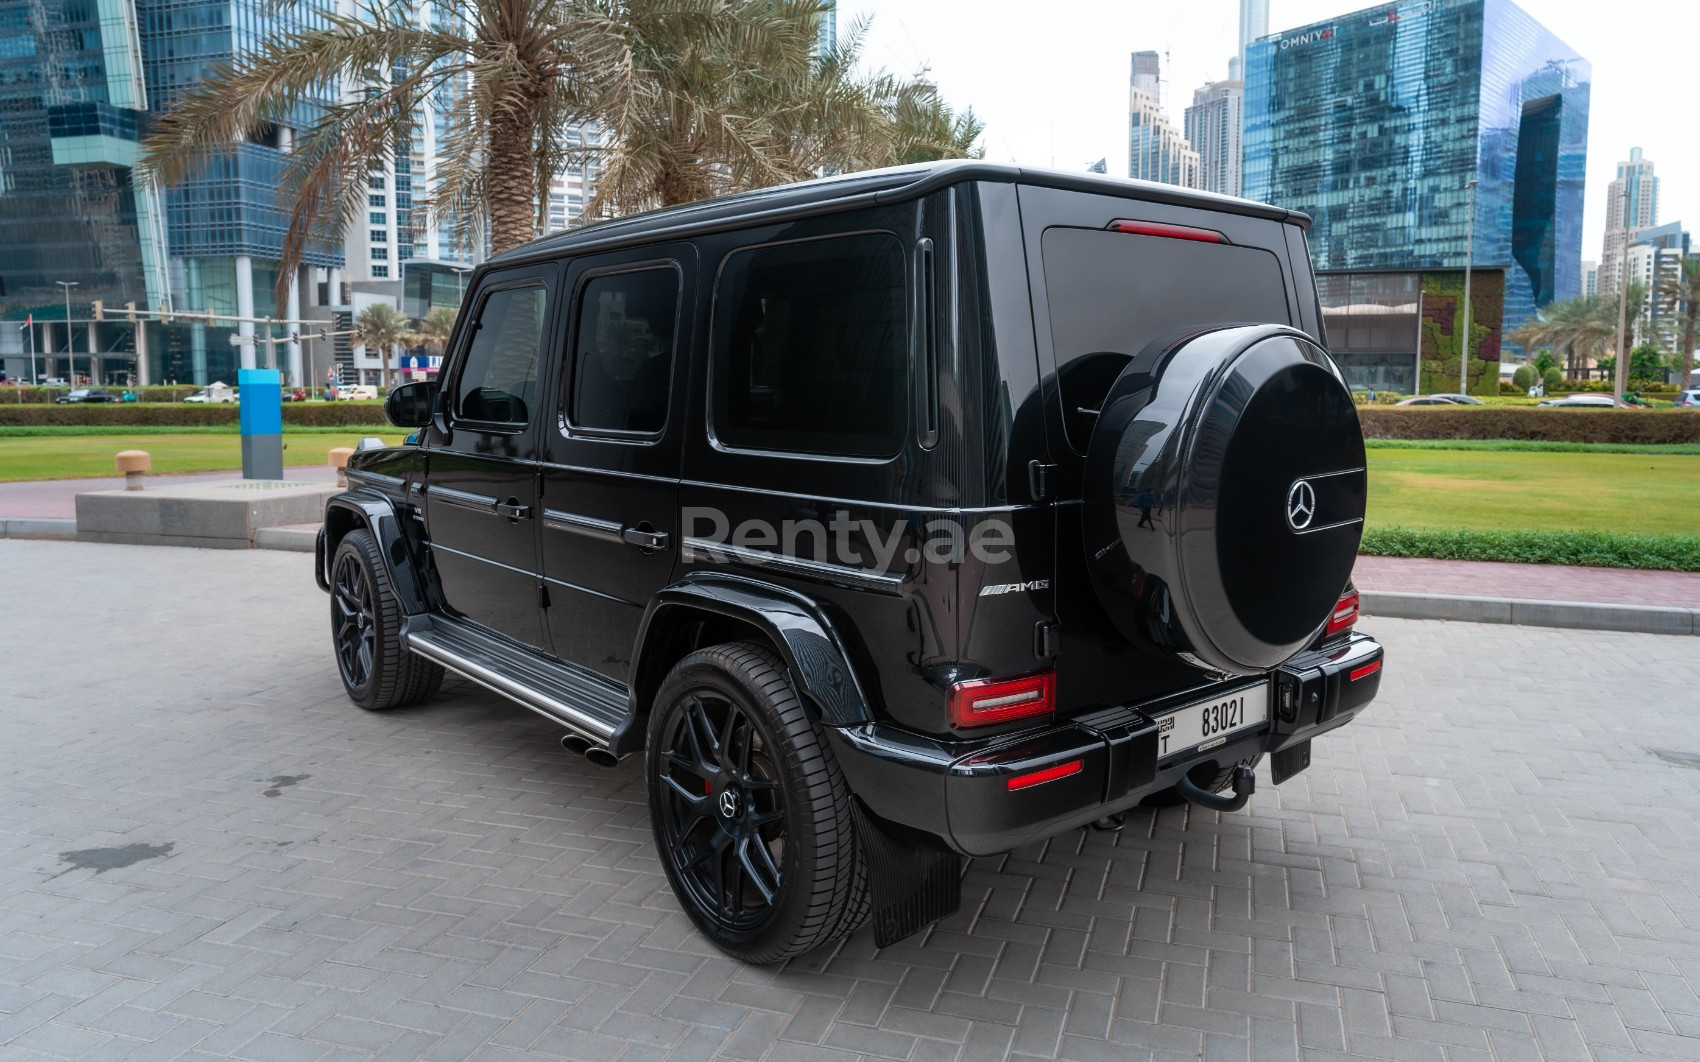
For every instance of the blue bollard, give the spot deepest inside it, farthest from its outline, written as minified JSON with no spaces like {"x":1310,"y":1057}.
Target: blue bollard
{"x":261,"y":417}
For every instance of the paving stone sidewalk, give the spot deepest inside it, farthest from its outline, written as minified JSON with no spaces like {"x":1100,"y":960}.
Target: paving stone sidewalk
{"x":207,"y":852}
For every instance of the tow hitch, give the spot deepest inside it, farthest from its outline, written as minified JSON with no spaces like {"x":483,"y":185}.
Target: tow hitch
{"x":1245,"y":783}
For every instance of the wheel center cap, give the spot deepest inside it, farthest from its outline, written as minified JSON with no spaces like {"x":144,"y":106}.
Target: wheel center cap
{"x":728,"y":803}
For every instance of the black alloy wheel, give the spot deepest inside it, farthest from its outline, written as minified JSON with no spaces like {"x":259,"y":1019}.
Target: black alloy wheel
{"x":377,"y":670}
{"x":722,"y":810}
{"x":750,"y":813}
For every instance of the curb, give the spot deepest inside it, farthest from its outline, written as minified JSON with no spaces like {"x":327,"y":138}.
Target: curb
{"x":293,"y":539}
{"x":37,"y":527}
{"x":1577,"y":615}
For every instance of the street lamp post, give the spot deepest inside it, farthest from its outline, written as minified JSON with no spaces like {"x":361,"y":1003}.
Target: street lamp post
{"x":460,"y":283}
{"x":1469,"y":256}
{"x":70,"y":347}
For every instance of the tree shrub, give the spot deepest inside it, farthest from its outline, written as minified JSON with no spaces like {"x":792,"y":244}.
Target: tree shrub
{"x":315,"y":414}
{"x":1523,"y":378}
{"x":1641,"y":426}
{"x":1551,"y":378}
{"x":1593,"y":549}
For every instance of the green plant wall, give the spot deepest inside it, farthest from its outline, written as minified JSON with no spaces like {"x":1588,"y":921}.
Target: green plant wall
{"x":1443,"y":299}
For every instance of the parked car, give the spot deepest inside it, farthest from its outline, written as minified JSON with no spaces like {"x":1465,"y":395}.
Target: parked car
{"x":54,"y":381}
{"x":1586,"y":401}
{"x":1688,"y":399}
{"x":86,"y":394}
{"x":1459,"y":399}
{"x":1426,"y":400}
{"x":214,"y":393}
{"x":1031,"y":525}
{"x":356,"y":393}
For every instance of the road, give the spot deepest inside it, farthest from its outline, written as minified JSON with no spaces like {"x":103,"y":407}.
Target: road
{"x":206,"y":851}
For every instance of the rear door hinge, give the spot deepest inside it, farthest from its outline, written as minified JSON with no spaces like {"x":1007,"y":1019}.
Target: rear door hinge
{"x":1039,"y":477}
{"x":1045,"y":638}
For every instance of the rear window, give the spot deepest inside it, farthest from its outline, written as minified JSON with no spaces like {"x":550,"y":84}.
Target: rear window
{"x":1112,"y":293}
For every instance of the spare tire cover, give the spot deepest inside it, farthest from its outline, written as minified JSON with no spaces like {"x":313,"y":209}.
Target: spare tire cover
{"x":1224,"y":496}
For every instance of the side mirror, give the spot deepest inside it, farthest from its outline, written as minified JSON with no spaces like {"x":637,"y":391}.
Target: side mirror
{"x":409,"y":406}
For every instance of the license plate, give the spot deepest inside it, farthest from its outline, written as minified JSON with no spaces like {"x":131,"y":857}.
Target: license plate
{"x":1208,"y":724}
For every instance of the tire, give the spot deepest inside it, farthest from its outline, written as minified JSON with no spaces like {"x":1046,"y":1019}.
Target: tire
{"x":1213,"y":777}
{"x":377,"y":670}
{"x":771,"y":870}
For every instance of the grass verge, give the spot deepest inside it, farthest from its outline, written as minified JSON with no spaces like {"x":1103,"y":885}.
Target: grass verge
{"x":31,"y":431}
{"x":1594,"y":549}
{"x":88,"y":457}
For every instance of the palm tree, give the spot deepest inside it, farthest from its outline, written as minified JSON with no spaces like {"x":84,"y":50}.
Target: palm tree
{"x":381,"y":327}
{"x":434,"y":329}
{"x":1681,"y":293}
{"x":693,"y":97}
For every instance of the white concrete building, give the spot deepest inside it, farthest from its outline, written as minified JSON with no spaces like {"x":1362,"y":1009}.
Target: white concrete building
{"x":1213,"y":126}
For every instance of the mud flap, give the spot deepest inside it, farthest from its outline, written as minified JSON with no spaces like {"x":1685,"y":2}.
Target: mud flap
{"x":1289,"y":761}
{"x":910,"y":886}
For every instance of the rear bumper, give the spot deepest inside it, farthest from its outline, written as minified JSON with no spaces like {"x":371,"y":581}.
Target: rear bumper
{"x":1104,"y":762}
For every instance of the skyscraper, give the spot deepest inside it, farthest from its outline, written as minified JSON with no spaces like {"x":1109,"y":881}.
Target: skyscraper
{"x":1375,"y":122}
{"x":1213,"y":128}
{"x":1157,"y":151}
{"x":1254,"y":24}
{"x":1632,"y":202}
{"x":77,"y":85}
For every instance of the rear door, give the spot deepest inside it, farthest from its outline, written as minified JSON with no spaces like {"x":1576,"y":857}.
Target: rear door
{"x":610,"y":470}
{"x":1110,"y":276}
{"x":481,"y":503}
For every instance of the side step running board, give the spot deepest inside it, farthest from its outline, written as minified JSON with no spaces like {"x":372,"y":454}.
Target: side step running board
{"x":583,"y":703}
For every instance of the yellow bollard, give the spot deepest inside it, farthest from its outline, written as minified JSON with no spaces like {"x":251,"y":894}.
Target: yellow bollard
{"x":339,"y":461}
{"x":134,"y":464}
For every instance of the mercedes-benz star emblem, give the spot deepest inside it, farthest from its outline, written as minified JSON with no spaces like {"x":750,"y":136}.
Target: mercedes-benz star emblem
{"x":1301,"y":505}
{"x":728,"y":803}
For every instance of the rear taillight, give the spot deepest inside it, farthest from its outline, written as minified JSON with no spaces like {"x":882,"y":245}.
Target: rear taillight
{"x":1345,"y":614}
{"x":1173,"y":232}
{"x":986,"y":702}
{"x":1049,"y":774}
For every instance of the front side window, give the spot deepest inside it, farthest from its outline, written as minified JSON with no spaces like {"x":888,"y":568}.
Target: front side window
{"x":623,"y":351}
{"x":810,"y":350}
{"x":499,"y":376}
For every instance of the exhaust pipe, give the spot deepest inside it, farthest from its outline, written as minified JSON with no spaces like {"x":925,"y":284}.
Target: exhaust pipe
{"x":601,"y":757}
{"x":575,"y":744}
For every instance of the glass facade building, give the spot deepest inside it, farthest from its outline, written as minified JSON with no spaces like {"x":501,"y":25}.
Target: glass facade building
{"x":79,"y":80}
{"x":1374,"y":123}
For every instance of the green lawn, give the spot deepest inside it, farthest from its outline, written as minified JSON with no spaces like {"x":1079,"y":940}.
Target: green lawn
{"x":1645,"y":493}
{"x":78,"y":457}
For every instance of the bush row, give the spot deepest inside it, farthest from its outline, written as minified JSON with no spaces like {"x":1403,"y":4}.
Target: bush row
{"x":307,"y":414}
{"x":1594,"y":549}
{"x":1638,"y":426}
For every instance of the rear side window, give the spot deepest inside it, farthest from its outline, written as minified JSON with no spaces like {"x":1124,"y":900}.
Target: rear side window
{"x":1112,"y":293}
{"x":810,"y":354}
{"x":623,"y":351}
{"x":498,"y":381}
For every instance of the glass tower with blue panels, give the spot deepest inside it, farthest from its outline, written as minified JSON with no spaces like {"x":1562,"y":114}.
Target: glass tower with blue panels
{"x":79,"y":80}
{"x":1373,"y":123}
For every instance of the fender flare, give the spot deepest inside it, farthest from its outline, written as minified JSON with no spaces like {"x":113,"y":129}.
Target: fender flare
{"x":803,"y":636}
{"x":374,"y":512}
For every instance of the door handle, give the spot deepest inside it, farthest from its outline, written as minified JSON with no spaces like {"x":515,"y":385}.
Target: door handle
{"x":646,"y":540}
{"x":513,"y":510}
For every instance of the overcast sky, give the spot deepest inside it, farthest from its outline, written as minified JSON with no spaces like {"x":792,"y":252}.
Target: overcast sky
{"x":1049,"y":77}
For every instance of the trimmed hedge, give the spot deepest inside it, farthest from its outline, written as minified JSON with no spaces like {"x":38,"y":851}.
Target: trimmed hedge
{"x":311,"y":414}
{"x":1592,"y":549}
{"x":1640,"y":426}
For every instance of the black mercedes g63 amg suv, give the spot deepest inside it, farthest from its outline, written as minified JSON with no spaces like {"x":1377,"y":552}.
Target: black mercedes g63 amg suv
{"x":892,"y":518}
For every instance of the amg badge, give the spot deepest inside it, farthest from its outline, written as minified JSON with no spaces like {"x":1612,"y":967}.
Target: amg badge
{"x":1010,"y":588}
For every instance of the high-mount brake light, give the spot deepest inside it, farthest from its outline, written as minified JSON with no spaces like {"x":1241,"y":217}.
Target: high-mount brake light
{"x":986,"y":702}
{"x":1173,"y":232}
{"x":1344,"y":615}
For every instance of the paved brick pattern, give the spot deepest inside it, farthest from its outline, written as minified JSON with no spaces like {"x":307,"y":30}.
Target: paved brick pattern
{"x":206,"y":852}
